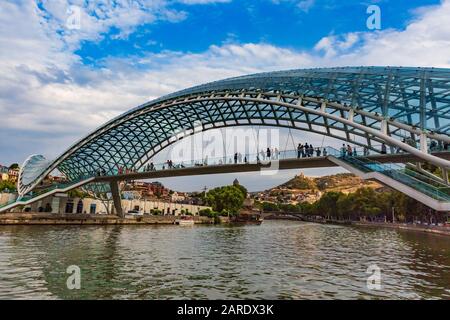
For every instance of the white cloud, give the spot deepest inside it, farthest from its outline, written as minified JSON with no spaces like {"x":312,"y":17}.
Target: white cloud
{"x":203,"y":1}
{"x":306,"y":5}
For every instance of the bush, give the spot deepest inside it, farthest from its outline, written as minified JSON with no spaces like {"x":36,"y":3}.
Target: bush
{"x":204,"y":212}
{"x":224,"y":213}
{"x":155,"y":212}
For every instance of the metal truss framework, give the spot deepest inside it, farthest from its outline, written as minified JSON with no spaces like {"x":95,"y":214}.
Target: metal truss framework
{"x":364,"y":106}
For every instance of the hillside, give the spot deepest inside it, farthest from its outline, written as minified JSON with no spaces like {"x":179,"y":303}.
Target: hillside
{"x":343,"y":182}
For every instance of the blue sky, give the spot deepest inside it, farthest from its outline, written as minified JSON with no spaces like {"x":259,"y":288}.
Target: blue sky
{"x":281,"y":23}
{"x":59,"y":82}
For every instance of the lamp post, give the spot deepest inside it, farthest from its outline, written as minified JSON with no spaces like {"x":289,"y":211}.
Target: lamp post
{"x":393,"y":214}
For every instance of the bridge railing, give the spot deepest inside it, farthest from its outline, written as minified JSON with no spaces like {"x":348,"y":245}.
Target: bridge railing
{"x":416,"y":180}
{"x":34,"y":194}
{"x":261,"y":156}
{"x":252,"y":158}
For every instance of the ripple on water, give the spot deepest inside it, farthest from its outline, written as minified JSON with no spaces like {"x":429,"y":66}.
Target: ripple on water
{"x":277,"y":260}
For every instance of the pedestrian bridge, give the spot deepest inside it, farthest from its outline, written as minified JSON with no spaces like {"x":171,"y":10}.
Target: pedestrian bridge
{"x":407,"y":109}
{"x":406,"y":178}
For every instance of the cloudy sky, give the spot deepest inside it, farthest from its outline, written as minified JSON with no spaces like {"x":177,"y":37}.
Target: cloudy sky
{"x":67,"y":66}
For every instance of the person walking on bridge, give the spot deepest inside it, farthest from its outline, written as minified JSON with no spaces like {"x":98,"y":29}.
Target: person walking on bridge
{"x":343,"y":150}
{"x":366,"y":151}
{"x":349,"y":150}
{"x":299,"y":150}
{"x":268,"y":153}
{"x":318,"y":152}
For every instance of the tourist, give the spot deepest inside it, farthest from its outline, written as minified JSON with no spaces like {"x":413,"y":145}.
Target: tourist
{"x":311,"y":150}
{"x":343,"y":150}
{"x":306,"y":149}
{"x":349,"y":150}
{"x":299,"y":150}
{"x":235,"y":158}
{"x":366,"y":151}
{"x":325,"y":152}
{"x":433,"y":146}
{"x":383,"y":149}
{"x":318,"y":152}
{"x":268,"y":153}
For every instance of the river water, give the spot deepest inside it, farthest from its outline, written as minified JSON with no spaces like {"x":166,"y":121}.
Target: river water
{"x":277,"y":260}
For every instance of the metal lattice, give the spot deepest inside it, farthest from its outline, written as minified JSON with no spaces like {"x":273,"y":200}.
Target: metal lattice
{"x":410,"y":101}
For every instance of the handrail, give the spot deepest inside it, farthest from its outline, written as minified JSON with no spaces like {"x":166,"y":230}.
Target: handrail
{"x":399,"y":173}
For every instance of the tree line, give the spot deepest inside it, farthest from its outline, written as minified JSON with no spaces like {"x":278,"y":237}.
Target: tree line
{"x":365,"y":203}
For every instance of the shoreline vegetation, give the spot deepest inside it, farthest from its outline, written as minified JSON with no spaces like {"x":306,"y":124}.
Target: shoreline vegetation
{"x":366,"y":207}
{"x":365,"y":204}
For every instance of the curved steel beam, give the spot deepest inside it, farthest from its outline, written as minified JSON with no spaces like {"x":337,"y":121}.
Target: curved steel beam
{"x":351,"y":97}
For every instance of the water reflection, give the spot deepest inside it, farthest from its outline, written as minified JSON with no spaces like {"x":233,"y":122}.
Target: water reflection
{"x":277,"y":260}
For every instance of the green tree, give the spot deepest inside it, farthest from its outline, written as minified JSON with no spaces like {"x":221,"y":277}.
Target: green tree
{"x":327,"y":204}
{"x":14,"y":166}
{"x":7,"y":185}
{"x":77,"y":193}
{"x":228,"y":198}
{"x":269,"y":207}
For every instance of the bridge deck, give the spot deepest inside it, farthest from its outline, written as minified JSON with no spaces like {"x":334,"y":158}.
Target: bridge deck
{"x":283,"y":164}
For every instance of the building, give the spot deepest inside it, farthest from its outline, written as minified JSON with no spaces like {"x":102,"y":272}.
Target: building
{"x":177,"y":197}
{"x":13,"y":175}
{"x":149,"y":190}
{"x":4,"y":176}
{"x":63,"y":204}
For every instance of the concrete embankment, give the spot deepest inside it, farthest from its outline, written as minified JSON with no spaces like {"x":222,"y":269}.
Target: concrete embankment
{"x":409,"y":227}
{"x":84,"y":219}
{"x":441,"y":230}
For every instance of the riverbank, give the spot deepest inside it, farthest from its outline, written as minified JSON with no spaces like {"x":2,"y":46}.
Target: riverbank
{"x":441,"y":230}
{"x":85,"y":219}
{"x":403,"y":226}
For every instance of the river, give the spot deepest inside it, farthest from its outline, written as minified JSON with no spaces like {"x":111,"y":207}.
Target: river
{"x":277,"y":260}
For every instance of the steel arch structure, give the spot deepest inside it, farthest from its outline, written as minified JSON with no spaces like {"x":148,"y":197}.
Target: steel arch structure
{"x":364,"y":105}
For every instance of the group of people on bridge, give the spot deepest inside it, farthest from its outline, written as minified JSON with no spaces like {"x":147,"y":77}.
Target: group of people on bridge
{"x":303,"y":151}
{"x":307,"y":151}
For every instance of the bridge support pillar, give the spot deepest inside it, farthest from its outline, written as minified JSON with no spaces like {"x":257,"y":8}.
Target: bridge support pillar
{"x":116,"y":198}
{"x":423,"y":142}
{"x":384,"y":127}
